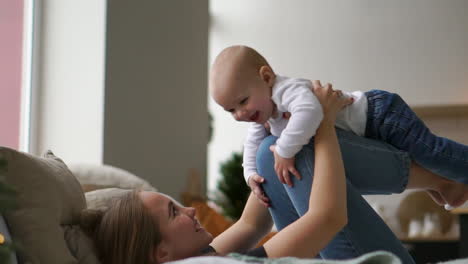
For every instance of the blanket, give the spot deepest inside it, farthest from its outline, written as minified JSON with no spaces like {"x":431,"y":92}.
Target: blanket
{"x":378,"y":257}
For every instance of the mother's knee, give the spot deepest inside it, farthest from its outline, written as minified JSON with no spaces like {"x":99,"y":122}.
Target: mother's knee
{"x":265,"y":158}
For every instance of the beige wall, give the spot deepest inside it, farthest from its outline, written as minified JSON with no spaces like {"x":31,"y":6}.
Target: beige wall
{"x":453,"y":127}
{"x":155,"y":113}
{"x":124,"y":83}
{"x":417,"y":48}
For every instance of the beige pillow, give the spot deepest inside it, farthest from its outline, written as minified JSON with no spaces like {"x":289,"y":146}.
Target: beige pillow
{"x":102,"y":198}
{"x":49,"y":198}
{"x":94,"y":176}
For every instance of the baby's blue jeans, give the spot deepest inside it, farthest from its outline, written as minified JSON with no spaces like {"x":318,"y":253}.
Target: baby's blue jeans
{"x":391,"y":120}
{"x":372,"y":167}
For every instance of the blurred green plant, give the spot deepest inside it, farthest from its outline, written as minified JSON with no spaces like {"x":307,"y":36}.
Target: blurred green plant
{"x":232,"y":189}
{"x":7,"y":203}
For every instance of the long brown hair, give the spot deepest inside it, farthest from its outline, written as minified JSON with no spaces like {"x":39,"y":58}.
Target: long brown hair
{"x":125,"y":233}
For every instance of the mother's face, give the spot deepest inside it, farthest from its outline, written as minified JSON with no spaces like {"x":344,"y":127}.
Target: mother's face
{"x":181,"y":233}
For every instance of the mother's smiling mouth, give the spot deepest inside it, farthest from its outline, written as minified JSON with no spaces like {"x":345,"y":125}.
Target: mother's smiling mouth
{"x":198,"y":227}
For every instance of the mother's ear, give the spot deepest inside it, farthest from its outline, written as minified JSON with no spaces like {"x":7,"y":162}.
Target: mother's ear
{"x":267,"y":75}
{"x":161,"y":253}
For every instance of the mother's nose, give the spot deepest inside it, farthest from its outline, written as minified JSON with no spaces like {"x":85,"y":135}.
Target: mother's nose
{"x":190,"y":211}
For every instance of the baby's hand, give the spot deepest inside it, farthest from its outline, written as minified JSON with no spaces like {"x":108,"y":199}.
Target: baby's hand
{"x":255,"y":182}
{"x":284,"y":166}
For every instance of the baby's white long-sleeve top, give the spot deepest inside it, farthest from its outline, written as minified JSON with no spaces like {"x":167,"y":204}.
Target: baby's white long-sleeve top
{"x":295,"y":96}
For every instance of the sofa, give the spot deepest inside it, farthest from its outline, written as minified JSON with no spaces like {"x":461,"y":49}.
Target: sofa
{"x":49,"y":199}
{"x":51,"y":195}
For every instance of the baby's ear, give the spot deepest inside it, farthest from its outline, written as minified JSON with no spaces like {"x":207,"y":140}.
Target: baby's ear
{"x":267,"y":75}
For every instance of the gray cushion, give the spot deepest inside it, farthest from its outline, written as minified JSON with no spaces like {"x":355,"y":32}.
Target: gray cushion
{"x":49,"y":198}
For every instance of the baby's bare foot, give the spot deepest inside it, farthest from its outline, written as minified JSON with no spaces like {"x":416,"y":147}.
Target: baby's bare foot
{"x":436,"y":197}
{"x":453,"y":193}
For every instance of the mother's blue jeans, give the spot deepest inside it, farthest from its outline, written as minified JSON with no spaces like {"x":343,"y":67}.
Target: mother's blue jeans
{"x":372,"y":167}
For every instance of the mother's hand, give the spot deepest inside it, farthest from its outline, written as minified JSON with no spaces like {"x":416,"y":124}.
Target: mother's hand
{"x":323,"y":94}
{"x":332,"y":101}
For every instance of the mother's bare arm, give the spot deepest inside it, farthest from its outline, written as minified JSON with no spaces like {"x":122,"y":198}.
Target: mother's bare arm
{"x":243,"y":235}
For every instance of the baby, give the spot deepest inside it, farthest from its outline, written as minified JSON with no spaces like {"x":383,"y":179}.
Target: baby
{"x":244,"y":84}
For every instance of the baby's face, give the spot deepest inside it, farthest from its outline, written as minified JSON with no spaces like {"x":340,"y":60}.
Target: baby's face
{"x":247,"y":101}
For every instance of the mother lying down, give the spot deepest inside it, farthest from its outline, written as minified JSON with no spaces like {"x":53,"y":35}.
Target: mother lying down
{"x":329,"y":217}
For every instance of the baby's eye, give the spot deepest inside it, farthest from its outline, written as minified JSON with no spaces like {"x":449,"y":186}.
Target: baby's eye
{"x":244,"y":101}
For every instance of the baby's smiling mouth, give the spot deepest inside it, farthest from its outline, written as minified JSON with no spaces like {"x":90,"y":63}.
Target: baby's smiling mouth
{"x":255,"y":116}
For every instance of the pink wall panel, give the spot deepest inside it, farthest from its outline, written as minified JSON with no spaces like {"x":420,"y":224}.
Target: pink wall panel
{"x":11,"y":34}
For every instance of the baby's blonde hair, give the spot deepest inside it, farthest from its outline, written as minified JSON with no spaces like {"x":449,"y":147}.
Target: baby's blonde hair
{"x":242,"y":59}
{"x":253,"y":58}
